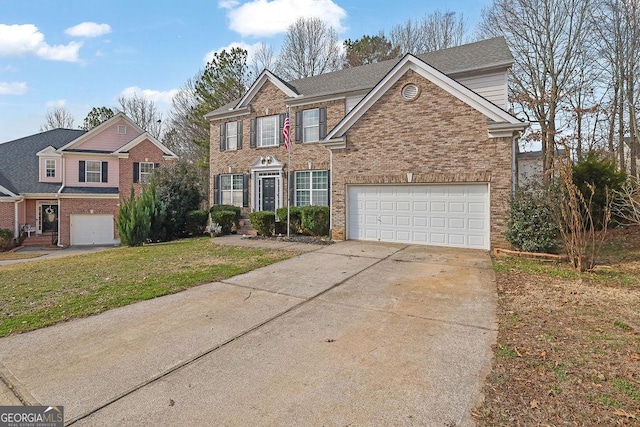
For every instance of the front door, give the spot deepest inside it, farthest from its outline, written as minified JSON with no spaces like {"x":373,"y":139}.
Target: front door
{"x":48,"y":217}
{"x":269,"y":194}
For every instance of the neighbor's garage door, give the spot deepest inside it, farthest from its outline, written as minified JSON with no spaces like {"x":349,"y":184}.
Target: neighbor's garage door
{"x":442,"y":215}
{"x":92,"y":229}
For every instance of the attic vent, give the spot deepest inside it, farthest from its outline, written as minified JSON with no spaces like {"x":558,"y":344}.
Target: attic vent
{"x":410,"y":92}
{"x":122,"y":130}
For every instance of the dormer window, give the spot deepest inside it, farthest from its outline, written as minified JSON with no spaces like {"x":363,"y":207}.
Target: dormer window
{"x":122,"y":129}
{"x":50,"y":168}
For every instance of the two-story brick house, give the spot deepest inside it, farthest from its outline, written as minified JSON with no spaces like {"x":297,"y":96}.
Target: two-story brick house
{"x":69,"y":182}
{"x":417,"y":150}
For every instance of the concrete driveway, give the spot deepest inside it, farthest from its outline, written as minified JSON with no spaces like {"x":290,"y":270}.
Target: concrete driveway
{"x":351,"y":334}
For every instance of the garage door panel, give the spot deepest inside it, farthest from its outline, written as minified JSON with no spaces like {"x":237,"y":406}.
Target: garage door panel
{"x":92,"y":229}
{"x":443,"y":214}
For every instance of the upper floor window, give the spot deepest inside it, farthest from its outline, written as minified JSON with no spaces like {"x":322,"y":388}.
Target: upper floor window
{"x":311,"y":124}
{"x":142,"y":171}
{"x":312,"y":187}
{"x":50,"y":168}
{"x":231,"y":136}
{"x":93,"y":171}
{"x":267,"y":131}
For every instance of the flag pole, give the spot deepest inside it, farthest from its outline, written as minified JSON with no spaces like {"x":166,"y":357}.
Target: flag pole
{"x":289,"y":176}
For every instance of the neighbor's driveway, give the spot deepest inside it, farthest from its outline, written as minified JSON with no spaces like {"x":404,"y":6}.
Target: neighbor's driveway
{"x":351,"y":334}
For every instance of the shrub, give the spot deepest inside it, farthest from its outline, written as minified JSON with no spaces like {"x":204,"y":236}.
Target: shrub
{"x":263,"y":222}
{"x":531,"y":226}
{"x":225,"y":219}
{"x":315,"y":220}
{"x":197,"y":221}
{"x":295,"y":217}
{"x":6,"y":239}
{"x":134,"y":217}
{"x":235,"y":209}
{"x":601,"y":175}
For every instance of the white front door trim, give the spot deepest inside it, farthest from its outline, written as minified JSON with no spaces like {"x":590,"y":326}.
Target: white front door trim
{"x":266,"y":167}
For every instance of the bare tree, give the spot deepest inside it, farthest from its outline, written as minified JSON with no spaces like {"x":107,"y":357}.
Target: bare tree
{"x":57,"y":117}
{"x":310,"y":47}
{"x":143,"y":112}
{"x":263,"y":59}
{"x":545,"y":37}
{"x":436,"y":31}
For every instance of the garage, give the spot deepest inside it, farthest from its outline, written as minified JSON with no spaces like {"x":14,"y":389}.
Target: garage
{"x":92,"y":230}
{"x":455,"y":215}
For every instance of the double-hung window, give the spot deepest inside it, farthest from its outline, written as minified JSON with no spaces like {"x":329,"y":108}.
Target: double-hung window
{"x":312,"y":188}
{"x":146,"y":169}
{"x":311,"y":124}
{"x":93,"y":171}
{"x":231,"y":136}
{"x":231,"y":189}
{"x":50,"y":168}
{"x":267,"y":131}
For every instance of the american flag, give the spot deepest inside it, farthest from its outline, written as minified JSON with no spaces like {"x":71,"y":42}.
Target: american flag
{"x":285,"y":131}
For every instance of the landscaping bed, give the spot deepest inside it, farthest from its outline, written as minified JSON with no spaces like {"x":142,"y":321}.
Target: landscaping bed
{"x":568,"y":347}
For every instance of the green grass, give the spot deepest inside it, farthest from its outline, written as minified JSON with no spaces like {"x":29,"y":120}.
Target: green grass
{"x":42,"y":293}
{"x":625,"y":387}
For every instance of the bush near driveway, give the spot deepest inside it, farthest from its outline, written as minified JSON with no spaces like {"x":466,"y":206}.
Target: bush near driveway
{"x":42,"y":293}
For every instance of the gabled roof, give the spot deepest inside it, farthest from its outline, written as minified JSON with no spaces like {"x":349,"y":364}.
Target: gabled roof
{"x":19,"y":165}
{"x":146,"y":135}
{"x":410,"y":62}
{"x":266,"y":76}
{"x":456,"y":61}
{"x":102,"y":126}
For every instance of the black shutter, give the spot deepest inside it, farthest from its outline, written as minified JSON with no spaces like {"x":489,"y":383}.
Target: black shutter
{"x":81,"y":169}
{"x":223,"y":132}
{"x":298,"y":127}
{"x":105,"y":172}
{"x":280,"y":136}
{"x":239,"y":134}
{"x":252,"y":133}
{"x":136,"y":172}
{"x":216,"y":189}
{"x":323,"y":122}
{"x":245,"y":190}
{"x":292,"y":189}
{"x":156,"y":165}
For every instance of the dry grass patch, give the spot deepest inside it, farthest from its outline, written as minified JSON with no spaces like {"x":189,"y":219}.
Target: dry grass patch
{"x":568,"y":350}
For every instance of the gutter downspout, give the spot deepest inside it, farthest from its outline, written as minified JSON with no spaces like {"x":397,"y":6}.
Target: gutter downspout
{"x":514,"y":163}
{"x":58,"y":197}
{"x":330,"y":190}
{"x":16,"y":232}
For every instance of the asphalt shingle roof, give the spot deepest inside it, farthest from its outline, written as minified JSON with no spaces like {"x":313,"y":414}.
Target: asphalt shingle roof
{"x":485,"y":54}
{"x":19,"y":168}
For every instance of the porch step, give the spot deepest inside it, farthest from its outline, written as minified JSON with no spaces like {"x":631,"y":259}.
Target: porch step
{"x":246,"y":229}
{"x":38,"y":241}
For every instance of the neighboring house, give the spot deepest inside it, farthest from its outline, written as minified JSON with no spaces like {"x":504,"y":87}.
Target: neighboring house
{"x":70,"y":182}
{"x":413,"y":150}
{"x":530,"y":166}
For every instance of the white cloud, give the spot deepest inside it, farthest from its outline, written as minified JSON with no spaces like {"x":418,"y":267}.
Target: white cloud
{"x":18,"y":40}
{"x":228,"y":4}
{"x":263,"y":18}
{"x":13,"y":88}
{"x":56,"y":103}
{"x":250,"y":48}
{"x":8,"y":69}
{"x":88,"y":29}
{"x":157,"y":96}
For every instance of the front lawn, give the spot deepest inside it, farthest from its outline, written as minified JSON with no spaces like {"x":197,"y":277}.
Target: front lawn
{"x":41,"y":293}
{"x":568,"y":350}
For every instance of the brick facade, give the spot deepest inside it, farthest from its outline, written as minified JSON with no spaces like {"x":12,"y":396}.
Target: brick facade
{"x":7,"y":215}
{"x":84,"y":206}
{"x":436,"y":137}
{"x":146,"y":151}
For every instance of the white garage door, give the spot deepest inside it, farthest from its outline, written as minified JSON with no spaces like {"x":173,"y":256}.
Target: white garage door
{"x":442,"y":215}
{"x":92,"y":230}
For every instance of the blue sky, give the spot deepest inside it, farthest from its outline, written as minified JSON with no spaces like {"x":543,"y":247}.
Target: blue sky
{"x":84,"y":54}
